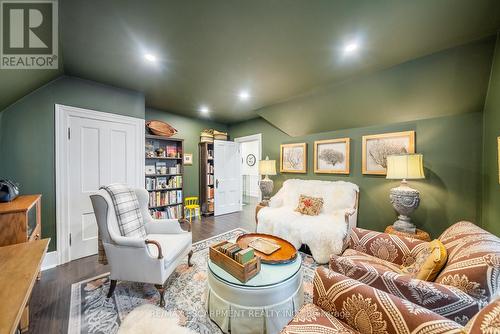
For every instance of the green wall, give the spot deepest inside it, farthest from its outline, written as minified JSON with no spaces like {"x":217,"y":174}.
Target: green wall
{"x":491,"y":186}
{"x":27,"y":134}
{"x":452,"y":155}
{"x":189,"y":129}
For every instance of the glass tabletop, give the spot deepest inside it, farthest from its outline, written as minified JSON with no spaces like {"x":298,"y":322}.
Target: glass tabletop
{"x":270,"y":274}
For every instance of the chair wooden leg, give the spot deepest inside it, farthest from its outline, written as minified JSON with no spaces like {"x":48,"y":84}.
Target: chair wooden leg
{"x":112,"y":287}
{"x":190,"y":255}
{"x":161,"y":290}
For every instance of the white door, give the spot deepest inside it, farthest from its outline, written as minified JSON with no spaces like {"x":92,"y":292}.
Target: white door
{"x":227,"y":174}
{"x":99,"y":152}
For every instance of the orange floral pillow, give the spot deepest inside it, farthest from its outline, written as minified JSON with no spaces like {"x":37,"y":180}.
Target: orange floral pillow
{"x":309,"y":205}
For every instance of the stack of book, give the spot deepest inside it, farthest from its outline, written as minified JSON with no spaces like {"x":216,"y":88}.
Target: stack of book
{"x":233,"y":251}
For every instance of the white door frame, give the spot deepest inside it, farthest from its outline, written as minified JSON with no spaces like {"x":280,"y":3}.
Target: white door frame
{"x":62,"y":115}
{"x":255,"y":137}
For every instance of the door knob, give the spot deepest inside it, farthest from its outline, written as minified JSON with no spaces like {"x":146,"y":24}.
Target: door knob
{"x":217,"y":183}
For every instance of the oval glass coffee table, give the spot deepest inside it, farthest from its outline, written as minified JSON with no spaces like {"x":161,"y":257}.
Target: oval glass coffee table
{"x":264,"y":304}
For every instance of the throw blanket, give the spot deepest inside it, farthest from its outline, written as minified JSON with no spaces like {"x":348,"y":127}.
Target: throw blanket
{"x":128,"y":214}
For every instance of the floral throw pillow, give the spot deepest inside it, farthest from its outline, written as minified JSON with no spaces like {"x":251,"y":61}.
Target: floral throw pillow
{"x":309,"y":205}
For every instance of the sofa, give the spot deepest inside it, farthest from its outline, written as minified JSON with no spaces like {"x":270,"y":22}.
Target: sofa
{"x":325,"y":233}
{"x":469,"y":280}
{"x":342,"y":305}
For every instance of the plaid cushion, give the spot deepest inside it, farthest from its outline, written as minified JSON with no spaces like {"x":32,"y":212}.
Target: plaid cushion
{"x":128,"y":213}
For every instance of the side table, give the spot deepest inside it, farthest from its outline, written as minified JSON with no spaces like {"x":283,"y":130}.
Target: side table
{"x":419,"y":234}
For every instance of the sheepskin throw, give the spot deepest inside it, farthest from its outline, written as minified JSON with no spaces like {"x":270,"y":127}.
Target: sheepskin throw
{"x":324,"y":233}
{"x":149,"y":319}
{"x":309,"y":205}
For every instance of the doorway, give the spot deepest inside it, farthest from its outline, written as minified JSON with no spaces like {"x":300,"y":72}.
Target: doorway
{"x":92,"y":149}
{"x":251,"y":154}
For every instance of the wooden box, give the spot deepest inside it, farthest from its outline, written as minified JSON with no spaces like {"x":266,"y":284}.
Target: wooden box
{"x":242,"y":272}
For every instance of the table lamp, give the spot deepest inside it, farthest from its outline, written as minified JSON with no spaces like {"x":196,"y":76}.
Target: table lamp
{"x":405,"y":199}
{"x":267,"y":167}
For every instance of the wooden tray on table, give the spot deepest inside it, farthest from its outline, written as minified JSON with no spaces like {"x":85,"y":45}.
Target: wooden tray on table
{"x":285,"y":254}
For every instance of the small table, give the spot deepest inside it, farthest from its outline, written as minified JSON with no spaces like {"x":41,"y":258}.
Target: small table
{"x":419,"y":234}
{"x":264,"y":304}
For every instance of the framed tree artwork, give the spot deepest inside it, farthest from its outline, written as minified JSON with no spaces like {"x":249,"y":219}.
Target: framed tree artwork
{"x":376,"y":149}
{"x":293,"y":158}
{"x":331,"y":156}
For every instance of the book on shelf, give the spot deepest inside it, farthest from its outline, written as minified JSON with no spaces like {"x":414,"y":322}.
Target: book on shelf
{"x":210,"y":193}
{"x":163,"y":182}
{"x":210,"y":179}
{"x":161,"y":167}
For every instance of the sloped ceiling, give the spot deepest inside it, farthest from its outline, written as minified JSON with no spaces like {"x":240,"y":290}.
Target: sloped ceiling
{"x":277,"y":50}
{"x":447,"y":83}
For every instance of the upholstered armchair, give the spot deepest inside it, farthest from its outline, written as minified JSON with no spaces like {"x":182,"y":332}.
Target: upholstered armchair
{"x":342,"y":305}
{"x":469,"y":280}
{"x":148,"y":260}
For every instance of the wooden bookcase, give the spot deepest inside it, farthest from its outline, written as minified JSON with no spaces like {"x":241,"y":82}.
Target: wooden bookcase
{"x":207,"y":178}
{"x":165,"y":183}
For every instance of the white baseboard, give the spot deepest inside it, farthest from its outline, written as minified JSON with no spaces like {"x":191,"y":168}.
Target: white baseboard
{"x":50,"y":261}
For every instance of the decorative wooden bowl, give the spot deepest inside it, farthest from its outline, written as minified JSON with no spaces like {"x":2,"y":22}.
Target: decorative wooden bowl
{"x":160,"y":128}
{"x":287,"y":252}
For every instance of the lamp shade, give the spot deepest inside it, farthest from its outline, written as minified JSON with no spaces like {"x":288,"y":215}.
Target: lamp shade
{"x":405,"y":166}
{"x":267,"y":167}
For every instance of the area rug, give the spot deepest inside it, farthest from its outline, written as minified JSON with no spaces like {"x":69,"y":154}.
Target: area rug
{"x":92,"y":312}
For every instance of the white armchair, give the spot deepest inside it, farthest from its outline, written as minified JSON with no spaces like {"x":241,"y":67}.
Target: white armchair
{"x":149,"y":260}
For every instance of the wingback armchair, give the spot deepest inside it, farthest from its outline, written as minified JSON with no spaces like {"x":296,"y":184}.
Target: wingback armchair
{"x":148,"y":260}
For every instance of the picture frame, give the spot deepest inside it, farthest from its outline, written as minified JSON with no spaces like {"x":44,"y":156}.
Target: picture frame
{"x":331,"y":156}
{"x":293,"y":158}
{"x":376,"y":148}
{"x":188,"y":159}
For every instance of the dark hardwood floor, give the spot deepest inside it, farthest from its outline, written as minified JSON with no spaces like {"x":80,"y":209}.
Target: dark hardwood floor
{"x":50,"y":301}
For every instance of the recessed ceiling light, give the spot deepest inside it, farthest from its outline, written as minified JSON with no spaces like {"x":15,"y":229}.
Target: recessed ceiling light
{"x":244,"y":95}
{"x":351,"y":47}
{"x":204,"y":109}
{"x":150,"y":57}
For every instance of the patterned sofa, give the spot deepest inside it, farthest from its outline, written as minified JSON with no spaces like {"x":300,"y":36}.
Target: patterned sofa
{"x":469,"y":280}
{"x":346,"y":306}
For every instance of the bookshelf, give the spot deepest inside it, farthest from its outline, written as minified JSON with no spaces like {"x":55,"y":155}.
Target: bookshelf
{"x":207,"y":178}
{"x":164,"y":176}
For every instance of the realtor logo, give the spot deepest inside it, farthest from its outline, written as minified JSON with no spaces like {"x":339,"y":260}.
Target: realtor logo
{"x":29,"y":34}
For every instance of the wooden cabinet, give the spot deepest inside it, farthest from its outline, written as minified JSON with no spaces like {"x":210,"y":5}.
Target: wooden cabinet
{"x":20,"y":220}
{"x":207,"y":200}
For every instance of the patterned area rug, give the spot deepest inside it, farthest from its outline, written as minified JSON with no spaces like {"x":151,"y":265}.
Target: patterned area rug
{"x":92,"y":312}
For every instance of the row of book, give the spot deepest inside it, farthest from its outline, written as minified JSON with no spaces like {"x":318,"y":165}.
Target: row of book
{"x":171,"y":212}
{"x":210,"y":179}
{"x":159,"y":198}
{"x":236,"y":253}
{"x":160,"y":183}
{"x":160,"y":167}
